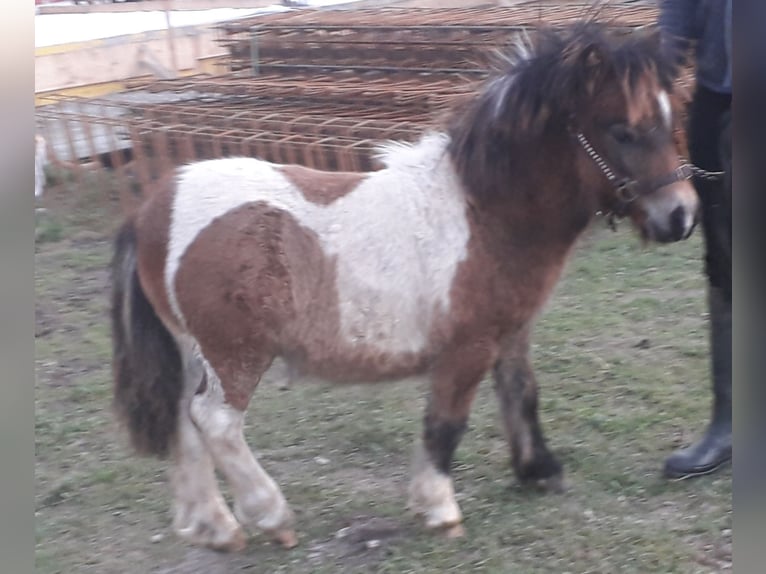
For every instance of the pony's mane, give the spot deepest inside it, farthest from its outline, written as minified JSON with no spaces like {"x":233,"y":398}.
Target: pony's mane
{"x":540,"y":83}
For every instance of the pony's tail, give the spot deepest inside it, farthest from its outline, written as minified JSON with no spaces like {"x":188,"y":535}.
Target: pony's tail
{"x":146,"y":361}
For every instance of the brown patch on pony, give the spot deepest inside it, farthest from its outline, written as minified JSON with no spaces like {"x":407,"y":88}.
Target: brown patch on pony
{"x":322,"y":187}
{"x":255,"y":284}
{"x":153,"y":226}
{"x":234,"y":292}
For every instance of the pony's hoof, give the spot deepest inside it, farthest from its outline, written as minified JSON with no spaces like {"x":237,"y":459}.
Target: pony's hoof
{"x":287,"y":538}
{"x":237,"y":544}
{"x":553,"y":484}
{"x":227,"y":537}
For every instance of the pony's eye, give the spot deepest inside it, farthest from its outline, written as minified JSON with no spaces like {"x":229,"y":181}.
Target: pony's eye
{"x":623,"y":134}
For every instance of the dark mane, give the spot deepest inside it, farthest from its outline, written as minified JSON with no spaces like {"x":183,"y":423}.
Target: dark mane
{"x":539,"y":85}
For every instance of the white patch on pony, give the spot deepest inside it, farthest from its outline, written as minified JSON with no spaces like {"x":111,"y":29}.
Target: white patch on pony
{"x":398,"y":238}
{"x":432,"y":494}
{"x":666,"y":112}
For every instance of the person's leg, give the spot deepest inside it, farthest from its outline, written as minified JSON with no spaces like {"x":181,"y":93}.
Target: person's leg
{"x":714,"y":448}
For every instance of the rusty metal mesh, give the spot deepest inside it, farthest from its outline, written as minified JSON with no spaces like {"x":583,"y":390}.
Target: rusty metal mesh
{"x":402,"y":38}
{"x":330,"y":86}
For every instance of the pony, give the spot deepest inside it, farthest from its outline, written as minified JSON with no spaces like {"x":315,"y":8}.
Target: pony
{"x":435,"y":266}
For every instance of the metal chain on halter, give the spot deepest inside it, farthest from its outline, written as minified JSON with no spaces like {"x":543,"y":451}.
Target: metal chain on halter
{"x":625,"y":187}
{"x":595,"y":157}
{"x":703,"y":173}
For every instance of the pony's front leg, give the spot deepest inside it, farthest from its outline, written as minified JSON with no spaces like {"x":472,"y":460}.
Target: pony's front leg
{"x":516,"y":388}
{"x":453,"y":387}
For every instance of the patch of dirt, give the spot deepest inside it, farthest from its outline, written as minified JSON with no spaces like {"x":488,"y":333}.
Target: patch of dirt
{"x":86,"y":238}
{"x":716,"y":555}
{"x":362,"y":541}
{"x":202,"y":561}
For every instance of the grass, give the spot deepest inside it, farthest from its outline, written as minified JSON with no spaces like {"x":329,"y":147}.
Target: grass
{"x":621,"y":358}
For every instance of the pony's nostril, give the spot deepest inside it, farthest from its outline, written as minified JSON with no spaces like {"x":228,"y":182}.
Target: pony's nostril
{"x":678,"y":223}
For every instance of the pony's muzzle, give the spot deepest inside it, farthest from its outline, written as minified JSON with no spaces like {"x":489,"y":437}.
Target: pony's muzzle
{"x":672,"y":212}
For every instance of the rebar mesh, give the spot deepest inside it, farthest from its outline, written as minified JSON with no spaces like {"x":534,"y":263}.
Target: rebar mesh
{"x":327,"y":87}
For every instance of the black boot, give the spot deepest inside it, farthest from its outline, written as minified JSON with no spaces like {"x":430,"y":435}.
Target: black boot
{"x":713,"y":450}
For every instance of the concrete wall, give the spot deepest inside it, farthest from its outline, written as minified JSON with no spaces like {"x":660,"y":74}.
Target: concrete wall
{"x":154,"y":5}
{"x":100,"y":66}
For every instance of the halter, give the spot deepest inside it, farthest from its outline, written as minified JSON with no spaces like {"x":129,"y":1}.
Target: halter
{"x":626,"y":188}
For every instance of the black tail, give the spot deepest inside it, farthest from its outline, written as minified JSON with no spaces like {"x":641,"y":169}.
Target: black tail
{"x":146,"y":361}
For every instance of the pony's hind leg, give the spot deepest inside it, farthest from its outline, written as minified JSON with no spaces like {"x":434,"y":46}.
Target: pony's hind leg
{"x":516,"y":388}
{"x":258,"y":501}
{"x":201,"y":515}
{"x":453,"y":386}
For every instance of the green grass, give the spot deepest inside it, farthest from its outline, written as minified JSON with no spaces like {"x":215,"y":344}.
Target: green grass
{"x":621,"y":358}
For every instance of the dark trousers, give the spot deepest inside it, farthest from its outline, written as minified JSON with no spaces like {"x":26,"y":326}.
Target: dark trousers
{"x":710,"y":149}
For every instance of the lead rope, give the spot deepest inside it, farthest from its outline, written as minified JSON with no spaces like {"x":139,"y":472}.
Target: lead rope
{"x":703,"y":173}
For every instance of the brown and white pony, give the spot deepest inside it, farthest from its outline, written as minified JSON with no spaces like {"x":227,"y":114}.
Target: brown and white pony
{"x":435,"y":266}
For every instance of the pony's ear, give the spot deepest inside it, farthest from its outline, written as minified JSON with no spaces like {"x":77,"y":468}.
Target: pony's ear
{"x":655,"y":42}
{"x":591,"y":57}
{"x":591,"y":65}
{"x":654,"y":36}
{"x":668,"y":53}
{"x":586,"y":65}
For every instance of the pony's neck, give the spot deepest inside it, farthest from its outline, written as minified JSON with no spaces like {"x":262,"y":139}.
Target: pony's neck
{"x":542,"y":202}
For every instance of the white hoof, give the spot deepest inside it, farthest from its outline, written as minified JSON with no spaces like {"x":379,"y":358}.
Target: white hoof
{"x":270,"y":514}
{"x":432,"y":496}
{"x":216,"y":529}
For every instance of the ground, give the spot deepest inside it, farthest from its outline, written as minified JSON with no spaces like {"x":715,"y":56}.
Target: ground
{"x":621,"y":357}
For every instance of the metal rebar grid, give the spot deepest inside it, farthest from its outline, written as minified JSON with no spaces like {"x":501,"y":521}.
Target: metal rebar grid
{"x":520,"y":15}
{"x":337,"y":96}
{"x":143,"y":133}
{"x":405,"y":38}
{"x":331,"y":85}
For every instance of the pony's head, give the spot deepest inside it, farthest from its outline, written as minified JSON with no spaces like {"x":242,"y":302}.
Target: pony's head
{"x":601,"y":98}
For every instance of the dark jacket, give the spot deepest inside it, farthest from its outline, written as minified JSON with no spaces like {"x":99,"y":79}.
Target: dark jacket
{"x":707,"y":23}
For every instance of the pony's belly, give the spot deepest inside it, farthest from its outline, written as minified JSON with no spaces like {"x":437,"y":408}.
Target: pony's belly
{"x":306,"y":378}
{"x":356,"y":365}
